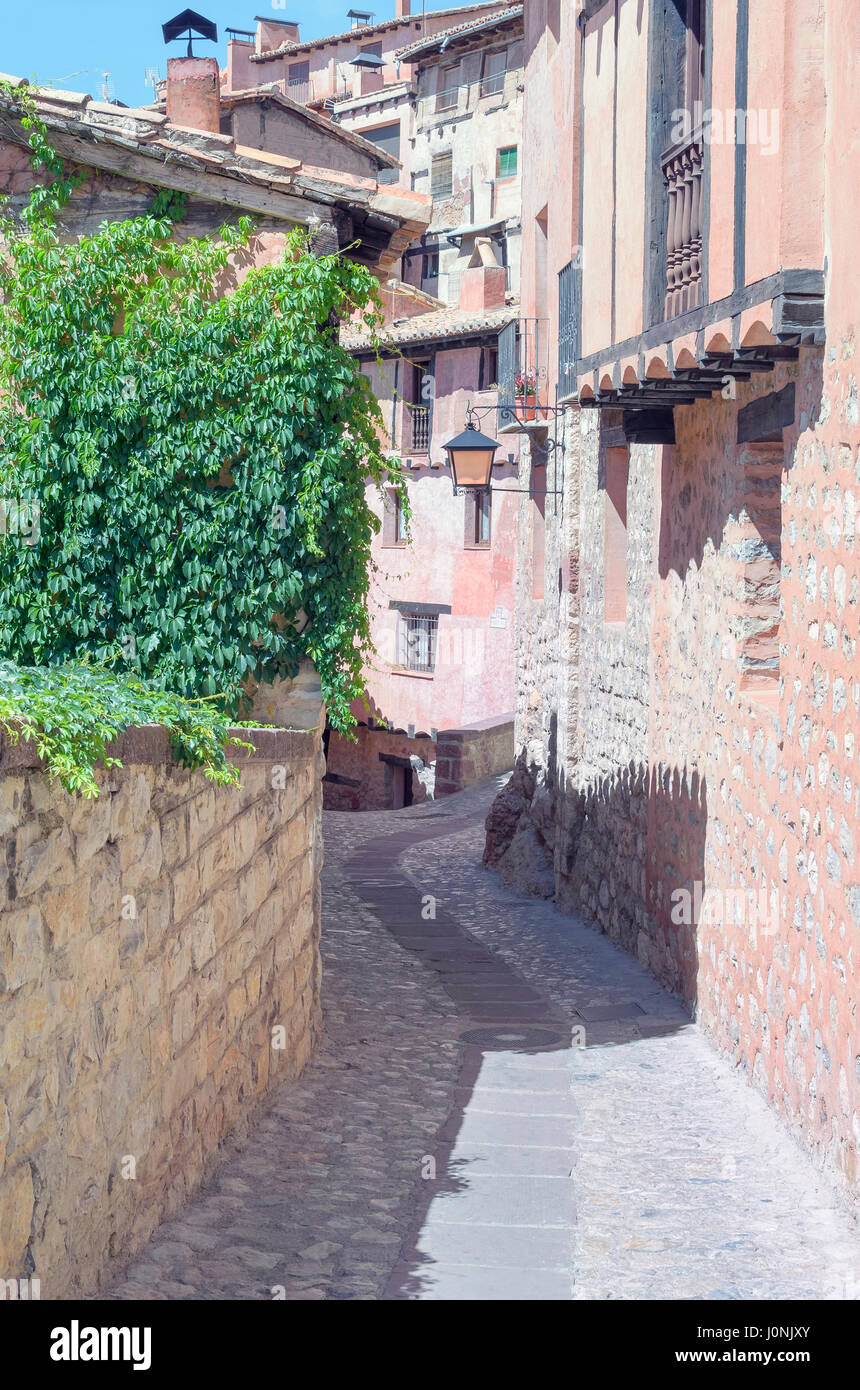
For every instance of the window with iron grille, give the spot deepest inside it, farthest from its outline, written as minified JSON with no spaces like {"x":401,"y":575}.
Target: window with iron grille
{"x":442,"y":175}
{"x":416,"y":633}
{"x":506,"y":162}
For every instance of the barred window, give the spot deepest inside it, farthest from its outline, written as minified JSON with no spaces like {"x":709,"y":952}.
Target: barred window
{"x":416,"y":634}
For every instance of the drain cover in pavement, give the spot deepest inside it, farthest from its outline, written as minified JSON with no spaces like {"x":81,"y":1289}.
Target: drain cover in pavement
{"x":511,"y":1037}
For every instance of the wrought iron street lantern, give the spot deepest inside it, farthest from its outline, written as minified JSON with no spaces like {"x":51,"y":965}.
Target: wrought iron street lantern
{"x":471,"y":456}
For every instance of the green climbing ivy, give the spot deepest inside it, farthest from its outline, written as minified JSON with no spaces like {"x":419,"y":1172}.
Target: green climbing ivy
{"x":72,"y":712}
{"x":183,"y":460}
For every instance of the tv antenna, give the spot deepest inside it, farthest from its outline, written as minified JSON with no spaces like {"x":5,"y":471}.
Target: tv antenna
{"x":189,"y":25}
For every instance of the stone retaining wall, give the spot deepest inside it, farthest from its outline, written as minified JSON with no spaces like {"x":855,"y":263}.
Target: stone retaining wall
{"x":464,"y":756}
{"x":159,"y":971}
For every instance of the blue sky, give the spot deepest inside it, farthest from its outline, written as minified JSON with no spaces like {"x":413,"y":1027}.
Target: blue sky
{"x":72,"y":43}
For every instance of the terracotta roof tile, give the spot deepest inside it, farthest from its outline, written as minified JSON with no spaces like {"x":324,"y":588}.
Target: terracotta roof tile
{"x":436,"y":326}
{"x":361,"y":32}
{"x":429,"y":41}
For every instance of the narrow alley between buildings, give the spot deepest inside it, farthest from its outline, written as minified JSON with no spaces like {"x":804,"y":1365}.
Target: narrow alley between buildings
{"x":503,"y":1106}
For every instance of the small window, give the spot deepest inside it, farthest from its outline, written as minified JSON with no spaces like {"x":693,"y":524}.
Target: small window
{"x":488,"y":371}
{"x":430,"y":270}
{"x":482,"y":517}
{"x":506,"y":163}
{"x":416,"y":634}
{"x":400,"y":534}
{"x":373,"y":48}
{"x":299,"y":72}
{"x":394,"y":520}
{"x":442,"y":175}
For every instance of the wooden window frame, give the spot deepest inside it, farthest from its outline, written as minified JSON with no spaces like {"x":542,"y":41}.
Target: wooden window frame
{"x":472,"y":539}
{"x":506,"y":149}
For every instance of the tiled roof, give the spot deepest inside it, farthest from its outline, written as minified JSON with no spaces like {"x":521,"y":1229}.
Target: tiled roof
{"x":433,"y":327}
{"x":363,"y":31}
{"x":116,"y":138}
{"x":428,"y":43}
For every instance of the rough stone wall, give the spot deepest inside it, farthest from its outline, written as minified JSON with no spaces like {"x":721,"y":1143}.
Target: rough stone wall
{"x":150,"y":942}
{"x":464,"y":756}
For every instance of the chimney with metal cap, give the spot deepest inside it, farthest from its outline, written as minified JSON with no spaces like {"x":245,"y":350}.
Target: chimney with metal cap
{"x":193,"y":84}
{"x":193,"y":93}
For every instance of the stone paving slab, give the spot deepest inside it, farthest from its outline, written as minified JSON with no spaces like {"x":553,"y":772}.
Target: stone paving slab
{"x":407,"y":1163}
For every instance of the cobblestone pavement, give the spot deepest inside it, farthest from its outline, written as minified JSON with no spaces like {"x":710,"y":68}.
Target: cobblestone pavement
{"x":504,"y":1106}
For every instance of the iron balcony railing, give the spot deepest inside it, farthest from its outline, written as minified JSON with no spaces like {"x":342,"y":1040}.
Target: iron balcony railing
{"x":466,"y":95}
{"x":523,"y":375}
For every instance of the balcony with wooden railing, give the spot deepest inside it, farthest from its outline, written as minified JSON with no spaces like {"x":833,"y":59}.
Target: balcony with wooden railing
{"x":683,"y":168}
{"x":420,"y":428}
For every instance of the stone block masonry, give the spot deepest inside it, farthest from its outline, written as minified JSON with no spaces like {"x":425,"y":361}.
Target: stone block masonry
{"x":464,"y":756}
{"x":159,"y":972}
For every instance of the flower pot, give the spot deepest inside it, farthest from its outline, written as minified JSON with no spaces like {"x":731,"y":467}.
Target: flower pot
{"x":525,"y":407}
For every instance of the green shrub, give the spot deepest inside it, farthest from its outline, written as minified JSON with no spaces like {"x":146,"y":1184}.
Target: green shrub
{"x":72,"y":712}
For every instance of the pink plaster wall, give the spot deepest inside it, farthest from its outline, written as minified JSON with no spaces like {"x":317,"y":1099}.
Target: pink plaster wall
{"x":475,"y":662}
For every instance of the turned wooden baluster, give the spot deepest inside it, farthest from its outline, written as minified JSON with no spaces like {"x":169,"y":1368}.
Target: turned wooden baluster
{"x":695,"y":296}
{"x":671,"y":239}
{"x":686,"y":226}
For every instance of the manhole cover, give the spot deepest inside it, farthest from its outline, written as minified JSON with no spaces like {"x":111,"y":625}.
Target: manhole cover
{"x":509,"y":1038}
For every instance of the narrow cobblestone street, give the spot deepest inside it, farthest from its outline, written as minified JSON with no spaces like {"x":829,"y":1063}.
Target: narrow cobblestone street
{"x":504,"y":1106}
